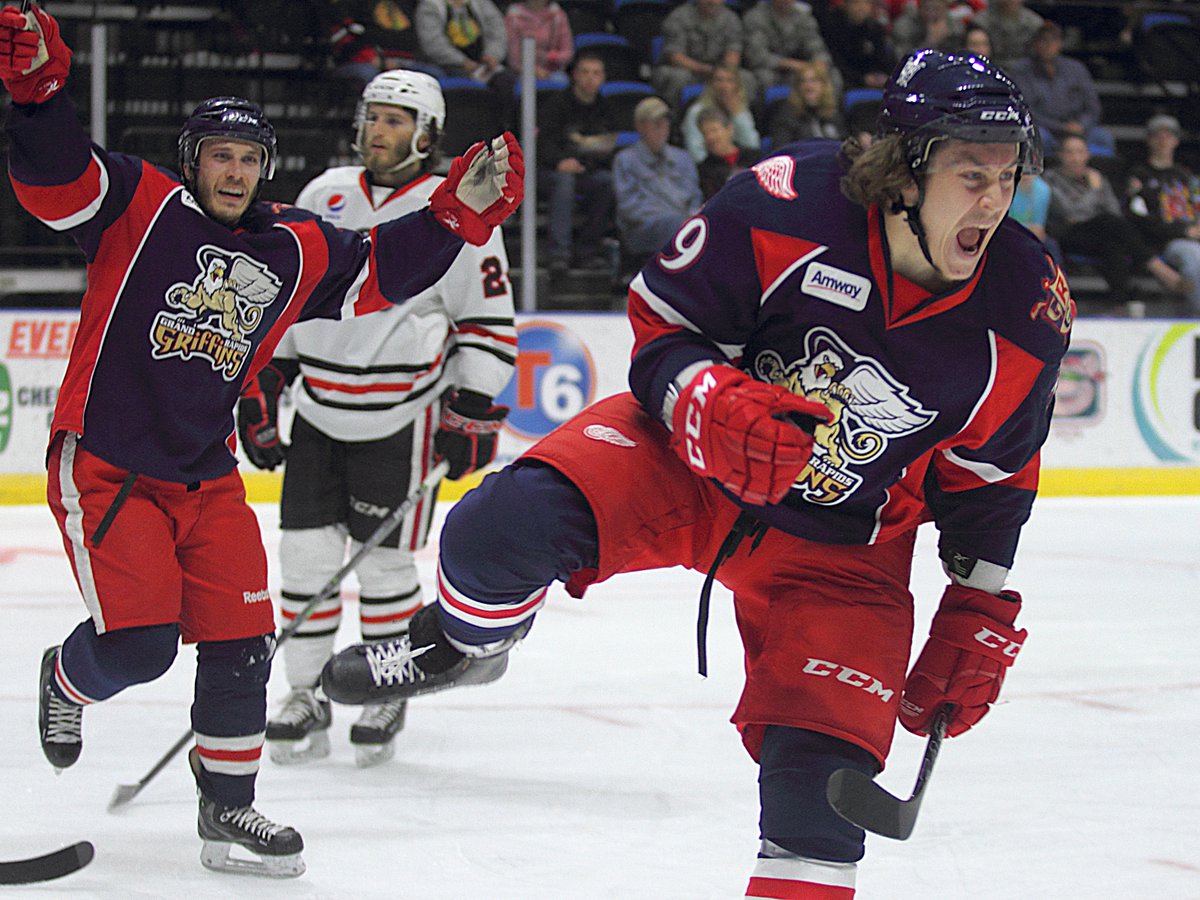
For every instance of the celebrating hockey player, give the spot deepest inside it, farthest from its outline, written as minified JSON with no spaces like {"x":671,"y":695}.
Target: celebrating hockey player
{"x":370,"y":417}
{"x":837,"y":348}
{"x":191,"y":284}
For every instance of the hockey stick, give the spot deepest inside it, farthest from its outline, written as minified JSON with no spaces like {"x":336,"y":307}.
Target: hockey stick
{"x":126,"y":792}
{"x":862,"y":802}
{"x":48,"y":867}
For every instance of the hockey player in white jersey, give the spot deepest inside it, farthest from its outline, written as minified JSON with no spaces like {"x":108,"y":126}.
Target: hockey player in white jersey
{"x":376,"y":405}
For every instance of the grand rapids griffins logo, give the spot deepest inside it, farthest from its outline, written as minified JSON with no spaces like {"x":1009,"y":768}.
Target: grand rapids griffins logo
{"x":222,"y":305}
{"x":869,"y":409}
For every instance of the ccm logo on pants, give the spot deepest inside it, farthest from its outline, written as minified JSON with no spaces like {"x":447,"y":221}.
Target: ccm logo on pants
{"x":823,"y":669}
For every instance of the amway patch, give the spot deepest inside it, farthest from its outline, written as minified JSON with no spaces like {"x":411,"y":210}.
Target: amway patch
{"x":837,"y":286}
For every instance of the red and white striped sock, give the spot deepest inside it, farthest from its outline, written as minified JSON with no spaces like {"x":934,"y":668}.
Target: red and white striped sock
{"x":796,"y":878}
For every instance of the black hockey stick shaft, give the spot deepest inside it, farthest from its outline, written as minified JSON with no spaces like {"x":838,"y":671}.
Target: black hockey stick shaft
{"x":126,"y":792}
{"x":859,"y":800}
{"x":48,"y":867}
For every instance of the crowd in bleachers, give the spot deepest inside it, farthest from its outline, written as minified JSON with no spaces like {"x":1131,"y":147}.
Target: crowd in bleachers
{"x":738,"y":78}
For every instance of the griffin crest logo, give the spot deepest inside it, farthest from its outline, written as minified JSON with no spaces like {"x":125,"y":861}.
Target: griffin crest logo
{"x":1057,"y":306}
{"x":222,"y":305}
{"x":869,"y":408}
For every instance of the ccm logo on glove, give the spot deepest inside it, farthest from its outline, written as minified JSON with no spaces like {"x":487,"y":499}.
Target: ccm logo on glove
{"x":994,"y":641}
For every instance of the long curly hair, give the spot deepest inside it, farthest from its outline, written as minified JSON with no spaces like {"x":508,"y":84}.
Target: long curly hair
{"x":875,"y":174}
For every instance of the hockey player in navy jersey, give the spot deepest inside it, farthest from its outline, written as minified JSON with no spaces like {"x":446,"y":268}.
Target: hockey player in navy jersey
{"x":191,"y":283}
{"x":377,"y":401}
{"x":845,"y":342}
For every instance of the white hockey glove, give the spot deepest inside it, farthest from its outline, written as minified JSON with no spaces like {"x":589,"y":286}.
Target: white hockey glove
{"x":483,"y":188}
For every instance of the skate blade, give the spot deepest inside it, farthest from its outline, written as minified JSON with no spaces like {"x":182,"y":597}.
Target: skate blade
{"x":291,"y":753}
{"x":368,"y":755}
{"x":217,"y":856}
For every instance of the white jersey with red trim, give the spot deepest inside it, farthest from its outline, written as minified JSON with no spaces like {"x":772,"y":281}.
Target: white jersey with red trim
{"x":365,"y":382}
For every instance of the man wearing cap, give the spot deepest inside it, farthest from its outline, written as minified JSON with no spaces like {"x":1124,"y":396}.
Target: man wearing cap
{"x":655,"y":183}
{"x":1163,"y":200}
{"x":1060,"y":91}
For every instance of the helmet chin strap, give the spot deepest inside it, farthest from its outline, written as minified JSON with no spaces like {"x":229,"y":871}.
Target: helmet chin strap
{"x":912,"y":215}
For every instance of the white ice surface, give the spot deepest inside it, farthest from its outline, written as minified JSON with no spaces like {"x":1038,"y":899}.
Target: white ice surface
{"x":601,"y":766}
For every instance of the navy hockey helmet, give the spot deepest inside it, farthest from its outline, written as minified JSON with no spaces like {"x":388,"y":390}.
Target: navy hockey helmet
{"x":232,"y":118}
{"x":935,"y":96}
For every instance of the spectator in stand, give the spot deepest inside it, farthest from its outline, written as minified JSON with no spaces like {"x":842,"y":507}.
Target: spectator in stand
{"x":1011,"y":28}
{"x":859,"y":43}
{"x":1085,"y":217}
{"x":1031,"y":207}
{"x":781,"y":35}
{"x":697,"y":37}
{"x":372,"y":36}
{"x":1060,"y":91}
{"x":725,"y":158}
{"x":545,"y":22}
{"x":655,"y":183}
{"x":1164,"y":203}
{"x":576,"y":139}
{"x":726,"y":92}
{"x":977,"y":40}
{"x":467,"y":38}
{"x":810,"y":110}
{"x":928,"y":24}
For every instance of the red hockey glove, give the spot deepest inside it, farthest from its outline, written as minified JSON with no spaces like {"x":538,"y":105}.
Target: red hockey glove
{"x":258,"y":416}
{"x":483,"y":188}
{"x":971,"y":643}
{"x":469,"y":431}
{"x":34,"y":61}
{"x":730,"y":427}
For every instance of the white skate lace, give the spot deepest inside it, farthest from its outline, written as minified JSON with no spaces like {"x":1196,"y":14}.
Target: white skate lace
{"x":299,"y":707}
{"x":64,"y":722}
{"x":381,"y":715}
{"x":248,"y":819}
{"x":393,"y":662}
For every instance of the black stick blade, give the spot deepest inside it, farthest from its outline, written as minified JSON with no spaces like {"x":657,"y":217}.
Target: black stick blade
{"x":859,"y":800}
{"x":45,"y":868}
{"x":862,"y":802}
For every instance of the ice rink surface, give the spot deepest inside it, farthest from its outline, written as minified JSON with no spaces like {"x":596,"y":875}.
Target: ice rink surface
{"x":602,"y":766}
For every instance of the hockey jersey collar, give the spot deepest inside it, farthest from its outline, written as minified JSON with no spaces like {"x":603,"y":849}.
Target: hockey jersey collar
{"x":365,"y":186}
{"x":904,"y":301}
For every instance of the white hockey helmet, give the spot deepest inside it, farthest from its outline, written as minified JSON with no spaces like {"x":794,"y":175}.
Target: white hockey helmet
{"x":415,"y":91}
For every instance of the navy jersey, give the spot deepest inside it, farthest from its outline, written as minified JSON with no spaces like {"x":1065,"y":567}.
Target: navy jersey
{"x":941,"y":402}
{"x":181,"y":311}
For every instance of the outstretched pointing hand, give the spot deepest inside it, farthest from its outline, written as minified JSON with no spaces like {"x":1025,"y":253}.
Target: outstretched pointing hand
{"x":483,"y":188}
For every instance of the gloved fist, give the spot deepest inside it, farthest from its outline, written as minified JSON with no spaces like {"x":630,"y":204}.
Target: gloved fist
{"x":258,"y":418}
{"x":730,"y":427}
{"x":483,"y":188}
{"x":468,"y":433}
{"x":972,"y":642}
{"x":34,"y":61}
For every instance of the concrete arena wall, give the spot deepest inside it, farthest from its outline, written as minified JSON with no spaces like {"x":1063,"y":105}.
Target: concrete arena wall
{"x":1127,"y":420}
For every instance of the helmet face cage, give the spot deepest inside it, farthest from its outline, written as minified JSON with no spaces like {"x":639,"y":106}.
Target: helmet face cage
{"x":415,"y":91}
{"x":936,"y":96}
{"x":234,"y":119}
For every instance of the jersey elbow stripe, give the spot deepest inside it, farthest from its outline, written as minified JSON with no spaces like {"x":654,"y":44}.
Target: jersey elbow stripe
{"x":987,"y":473}
{"x":66,"y":206}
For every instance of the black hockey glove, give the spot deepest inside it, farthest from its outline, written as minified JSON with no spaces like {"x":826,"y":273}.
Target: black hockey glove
{"x":469,"y":431}
{"x":258,"y":414}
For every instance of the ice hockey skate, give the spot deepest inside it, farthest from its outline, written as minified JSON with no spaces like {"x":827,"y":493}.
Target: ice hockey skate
{"x":373,"y":735}
{"x":300,"y":732}
{"x":275,"y":849}
{"x":60,"y":723}
{"x":420,"y":662}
